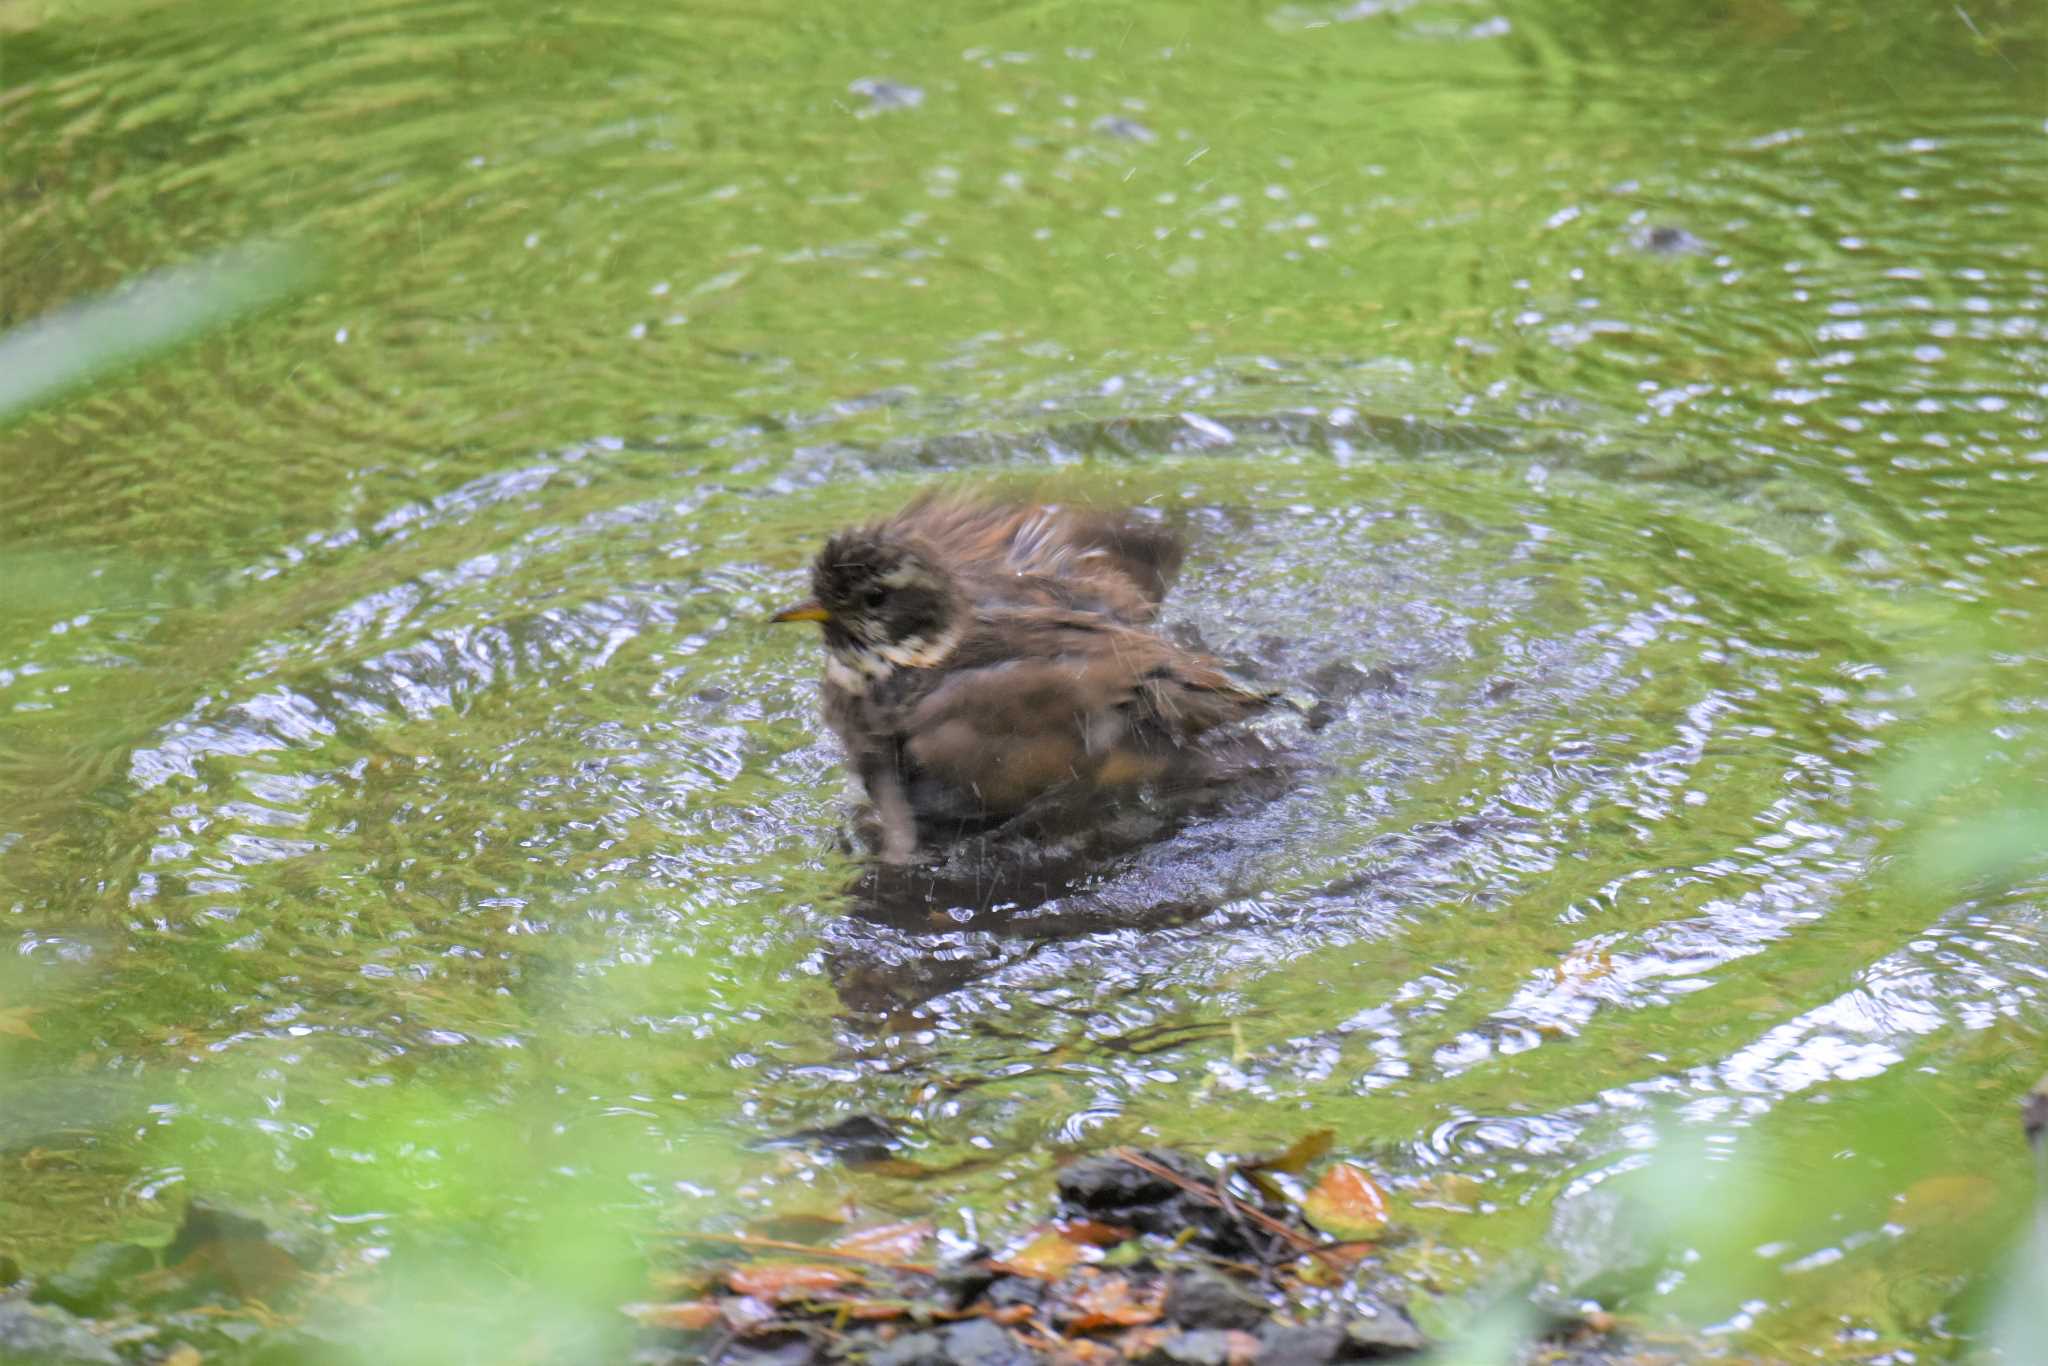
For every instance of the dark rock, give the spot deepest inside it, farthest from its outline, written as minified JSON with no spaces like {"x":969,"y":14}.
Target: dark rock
{"x":971,"y":1342}
{"x":861,"y":1138}
{"x":208,"y":1225}
{"x":93,"y":1280}
{"x":1308,"y":1344}
{"x":46,"y":1334}
{"x":962,"y":1283}
{"x":1099,"y":1184}
{"x":912,"y":1349}
{"x":795,"y":1350}
{"x":1203,"y":1299}
{"x":978,"y":1342}
{"x":1114,"y":1191}
{"x":1016,"y":1290}
{"x":1207,"y":1347}
{"x":1669,"y":240}
{"x":1384,"y":1331}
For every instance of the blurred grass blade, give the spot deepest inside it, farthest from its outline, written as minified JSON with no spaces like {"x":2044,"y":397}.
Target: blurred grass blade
{"x":78,"y":342}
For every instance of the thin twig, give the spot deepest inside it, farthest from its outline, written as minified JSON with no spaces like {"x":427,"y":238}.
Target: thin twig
{"x":1296,"y":1240}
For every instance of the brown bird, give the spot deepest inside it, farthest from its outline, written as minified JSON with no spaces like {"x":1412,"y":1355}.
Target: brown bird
{"x":980,"y":656}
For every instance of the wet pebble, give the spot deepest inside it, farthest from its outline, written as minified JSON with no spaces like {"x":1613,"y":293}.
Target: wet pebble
{"x":883,"y":95}
{"x":1667,"y":240}
{"x":1127,"y":130}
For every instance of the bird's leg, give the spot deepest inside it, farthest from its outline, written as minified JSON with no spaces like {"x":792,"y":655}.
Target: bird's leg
{"x":884,"y":782}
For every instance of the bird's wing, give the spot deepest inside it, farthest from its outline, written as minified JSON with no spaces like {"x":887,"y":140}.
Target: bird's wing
{"x":1056,"y":696}
{"x":1048,"y":555}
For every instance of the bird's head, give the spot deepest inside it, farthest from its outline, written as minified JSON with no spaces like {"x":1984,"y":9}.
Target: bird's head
{"x":884,"y":603}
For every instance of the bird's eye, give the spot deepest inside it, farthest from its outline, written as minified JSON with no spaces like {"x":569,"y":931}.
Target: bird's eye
{"x":874,"y":596}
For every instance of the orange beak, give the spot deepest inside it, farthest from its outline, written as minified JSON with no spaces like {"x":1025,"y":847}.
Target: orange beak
{"x":810,"y":610}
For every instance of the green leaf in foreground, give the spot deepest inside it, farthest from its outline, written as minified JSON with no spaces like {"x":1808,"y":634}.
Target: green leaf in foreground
{"x":78,"y":342}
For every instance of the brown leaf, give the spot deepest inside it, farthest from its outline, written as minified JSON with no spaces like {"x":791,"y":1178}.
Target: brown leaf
{"x":1046,"y":1257}
{"x":887,"y":1242}
{"x":14,"y":1022}
{"x":1347,"y":1202}
{"x":780,"y":1281}
{"x":1297,"y":1157}
{"x":1093,"y":1232}
{"x":873,"y":1309}
{"x":689,"y":1316}
{"x":1109,"y":1302}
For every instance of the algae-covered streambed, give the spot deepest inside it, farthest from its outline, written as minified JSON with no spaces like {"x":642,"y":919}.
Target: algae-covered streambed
{"x":1638,"y":414}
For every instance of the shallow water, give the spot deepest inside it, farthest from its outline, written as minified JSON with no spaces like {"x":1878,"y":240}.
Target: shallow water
{"x":407,"y":823}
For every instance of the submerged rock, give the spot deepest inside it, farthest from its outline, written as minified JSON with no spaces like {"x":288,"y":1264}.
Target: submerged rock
{"x":45,"y":1333}
{"x":93,"y":1281}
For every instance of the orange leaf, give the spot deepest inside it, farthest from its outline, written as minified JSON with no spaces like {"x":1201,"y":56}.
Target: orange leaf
{"x":778,"y":1281}
{"x":690,"y":1316}
{"x":14,"y":1021}
{"x":1347,"y":1203}
{"x":887,"y":1242}
{"x":873,"y":1309}
{"x":1093,"y":1232}
{"x":1046,"y":1257}
{"x":1109,"y":1303}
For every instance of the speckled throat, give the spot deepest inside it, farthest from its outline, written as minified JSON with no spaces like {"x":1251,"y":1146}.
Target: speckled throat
{"x":857,"y":665}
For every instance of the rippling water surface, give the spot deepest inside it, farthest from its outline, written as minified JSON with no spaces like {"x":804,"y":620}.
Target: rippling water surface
{"x":1633,"y":419}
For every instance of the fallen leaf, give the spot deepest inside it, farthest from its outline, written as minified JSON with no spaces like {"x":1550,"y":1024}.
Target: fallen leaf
{"x":1008,"y":1315}
{"x":1297,"y":1157}
{"x":1347,"y":1202}
{"x":184,"y":1354}
{"x":1046,"y":1257}
{"x":779,"y":1281}
{"x":1108,"y":1302}
{"x":689,"y":1316}
{"x":14,"y":1022}
{"x":1093,"y":1232}
{"x":873,"y":1309}
{"x":887,"y":1242}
